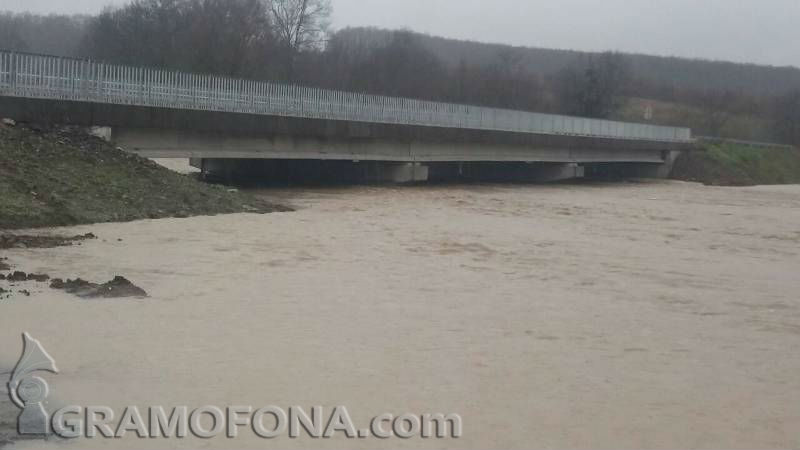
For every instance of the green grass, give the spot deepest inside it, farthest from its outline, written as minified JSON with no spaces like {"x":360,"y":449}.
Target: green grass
{"x":701,"y":121}
{"x":734,"y":164}
{"x":762,"y":165}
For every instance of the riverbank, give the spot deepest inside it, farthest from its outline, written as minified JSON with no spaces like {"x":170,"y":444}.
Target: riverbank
{"x":63,"y":176}
{"x":731,"y":164}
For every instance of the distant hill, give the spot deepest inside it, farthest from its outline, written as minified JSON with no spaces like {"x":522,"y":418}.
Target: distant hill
{"x":52,"y":34}
{"x":715,"y":98}
{"x":679,"y":73}
{"x":62,"y":35}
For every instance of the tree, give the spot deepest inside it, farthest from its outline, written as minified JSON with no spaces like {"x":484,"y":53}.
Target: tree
{"x":10,"y":38}
{"x":402,"y":68}
{"x":593,"y":86}
{"x":227,"y":37}
{"x":716,"y":111}
{"x":144,"y":32}
{"x":52,"y":34}
{"x":787,"y":117}
{"x":300,"y":25}
{"x":232,"y":37}
{"x":506,"y":83}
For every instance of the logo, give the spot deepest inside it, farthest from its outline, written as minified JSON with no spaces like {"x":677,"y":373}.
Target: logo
{"x":28,"y":391}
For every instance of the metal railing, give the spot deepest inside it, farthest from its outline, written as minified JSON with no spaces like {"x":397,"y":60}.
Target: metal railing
{"x":745,"y":143}
{"x":50,"y":77}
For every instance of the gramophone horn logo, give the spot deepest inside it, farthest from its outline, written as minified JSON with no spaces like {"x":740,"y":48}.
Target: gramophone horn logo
{"x":29,"y":391}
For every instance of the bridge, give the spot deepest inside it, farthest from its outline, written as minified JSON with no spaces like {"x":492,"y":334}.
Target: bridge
{"x":225,"y":124}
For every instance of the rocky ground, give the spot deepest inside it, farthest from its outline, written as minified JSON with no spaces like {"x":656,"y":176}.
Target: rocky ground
{"x":16,"y":281}
{"x":63,"y":176}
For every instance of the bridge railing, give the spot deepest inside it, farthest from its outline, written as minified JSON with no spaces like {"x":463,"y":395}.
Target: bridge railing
{"x":50,"y":77}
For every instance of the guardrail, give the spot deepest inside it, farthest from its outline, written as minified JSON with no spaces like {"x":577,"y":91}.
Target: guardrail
{"x":754,"y":144}
{"x":51,"y":77}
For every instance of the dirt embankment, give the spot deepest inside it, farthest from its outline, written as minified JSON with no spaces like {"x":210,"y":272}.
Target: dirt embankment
{"x":728,"y":164}
{"x":63,"y":176}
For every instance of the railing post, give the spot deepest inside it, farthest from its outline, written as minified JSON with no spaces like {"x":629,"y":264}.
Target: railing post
{"x":100,"y":77}
{"x":12,"y":73}
{"x":84,"y":80}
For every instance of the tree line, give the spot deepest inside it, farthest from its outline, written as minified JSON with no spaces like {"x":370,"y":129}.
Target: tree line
{"x":290,"y":41}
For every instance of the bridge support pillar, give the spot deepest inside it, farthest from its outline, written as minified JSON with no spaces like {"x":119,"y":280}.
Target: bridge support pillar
{"x":517,"y":172}
{"x":548,"y":173}
{"x":394,"y":172}
{"x":658,"y":170}
{"x":636,"y":169}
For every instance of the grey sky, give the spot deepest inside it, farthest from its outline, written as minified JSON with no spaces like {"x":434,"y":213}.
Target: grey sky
{"x":760,"y":31}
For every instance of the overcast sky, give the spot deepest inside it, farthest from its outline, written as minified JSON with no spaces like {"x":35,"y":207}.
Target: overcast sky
{"x":760,"y":31}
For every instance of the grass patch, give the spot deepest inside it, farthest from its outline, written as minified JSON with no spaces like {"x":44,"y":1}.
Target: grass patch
{"x":729,"y":164}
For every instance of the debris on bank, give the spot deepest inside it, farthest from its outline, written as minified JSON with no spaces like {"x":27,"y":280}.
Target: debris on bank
{"x":119,"y":287}
{"x":19,"y":276}
{"x":8,"y":241}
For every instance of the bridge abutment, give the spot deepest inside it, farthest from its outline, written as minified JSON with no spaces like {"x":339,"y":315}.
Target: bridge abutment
{"x":614,"y":170}
{"x":393,"y":172}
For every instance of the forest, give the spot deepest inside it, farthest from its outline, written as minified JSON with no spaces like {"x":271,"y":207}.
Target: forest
{"x":291,"y":41}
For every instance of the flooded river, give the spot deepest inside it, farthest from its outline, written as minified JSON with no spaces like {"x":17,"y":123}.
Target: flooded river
{"x":630,"y":315}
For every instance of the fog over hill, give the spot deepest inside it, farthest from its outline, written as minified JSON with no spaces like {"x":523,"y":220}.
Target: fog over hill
{"x":242,"y":38}
{"x":670,"y":71}
{"x":749,"y":31}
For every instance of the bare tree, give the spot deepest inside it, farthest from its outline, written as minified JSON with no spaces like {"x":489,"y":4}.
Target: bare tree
{"x":228,"y":37}
{"x":716,"y":111}
{"x":787,"y":117}
{"x":593,"y":86}
{"x":10,"y":38}
{"x":232,"y":37}
{"x":300,"y":25}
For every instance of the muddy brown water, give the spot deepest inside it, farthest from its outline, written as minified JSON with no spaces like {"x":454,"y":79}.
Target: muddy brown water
{"x":630,"y":315}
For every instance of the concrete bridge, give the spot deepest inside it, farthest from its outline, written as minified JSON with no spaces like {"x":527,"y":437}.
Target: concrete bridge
{"x":226,"y":124}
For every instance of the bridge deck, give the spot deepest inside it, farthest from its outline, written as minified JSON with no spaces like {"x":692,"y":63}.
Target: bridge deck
{"x":55,"y":78}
